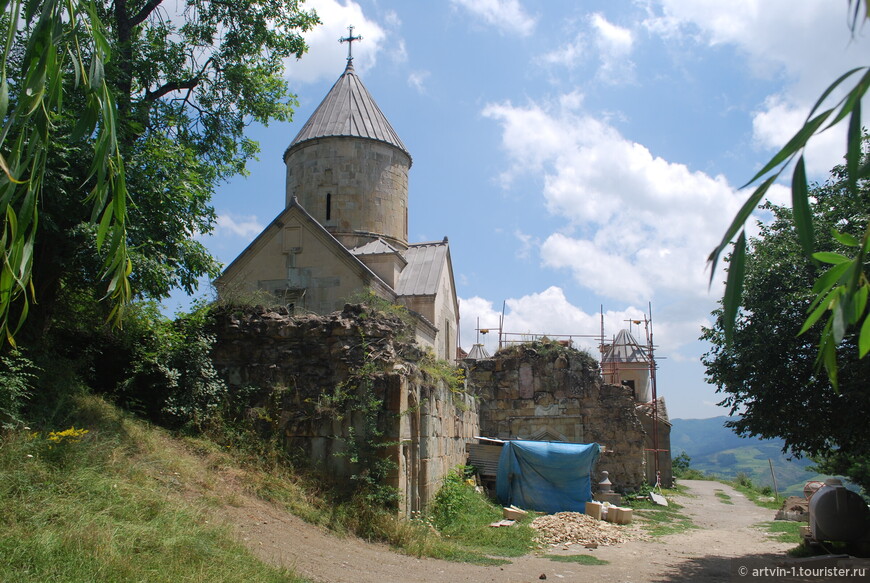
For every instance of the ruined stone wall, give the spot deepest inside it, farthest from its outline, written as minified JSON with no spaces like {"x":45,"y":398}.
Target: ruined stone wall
{"x":546,"y":392}
{"x":315,"y":370}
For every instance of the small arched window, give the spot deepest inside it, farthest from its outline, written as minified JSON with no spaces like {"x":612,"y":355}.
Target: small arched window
{"x":328,"y":206}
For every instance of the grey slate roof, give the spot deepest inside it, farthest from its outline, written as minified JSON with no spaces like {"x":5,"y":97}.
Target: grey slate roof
{"x":348,"y":110}
{"x":423,"y":272}
{"x":625,"y":349}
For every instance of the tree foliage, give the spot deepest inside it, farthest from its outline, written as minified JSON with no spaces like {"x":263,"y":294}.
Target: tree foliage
{"x":158,"y":95}
{"x":767,"y":370}
{"x":841,"y":291}
{"x":51,"y":48}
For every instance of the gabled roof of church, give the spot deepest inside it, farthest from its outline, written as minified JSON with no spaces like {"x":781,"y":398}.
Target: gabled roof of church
{"x":423,"y":272}
{"x":342,"y":252}
{"x":348,"y":110}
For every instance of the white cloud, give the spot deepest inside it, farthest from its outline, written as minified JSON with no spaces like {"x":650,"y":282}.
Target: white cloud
{"x":527,"y":244}
{"x":568,"y":55}
{"x":548,"y":312}
{"x":609,"y":274}
{"x":246,"y":227}
{"x":617,"y":39}
{"x":641,"y":226}
{"x":614,"y":47}
{"x":506,"y":15}
{"x":612,"y":44}
{"x":474,"y":312}
{"x":638,"y":228}
{"x":326,"y":56}
{"x":392,"y":18}
{"x":417,"y":80}
{"x":808,"y":43}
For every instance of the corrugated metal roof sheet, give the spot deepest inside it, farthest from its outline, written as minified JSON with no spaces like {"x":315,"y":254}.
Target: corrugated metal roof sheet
{"x":374,"y":248}
{"x":425,"y":262}
{"x":349,"y":110}
{"x":478,"y":352}
{"x":625,"y":349}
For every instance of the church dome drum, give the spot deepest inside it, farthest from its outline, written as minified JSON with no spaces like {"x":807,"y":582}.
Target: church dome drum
{"x":349,"y":168}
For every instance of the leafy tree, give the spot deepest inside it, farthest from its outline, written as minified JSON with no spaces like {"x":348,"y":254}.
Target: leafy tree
{"x":681,"y":463}
{"x":840,"y":292}
{"x":180,"y":89}
{"x":767,"y":371}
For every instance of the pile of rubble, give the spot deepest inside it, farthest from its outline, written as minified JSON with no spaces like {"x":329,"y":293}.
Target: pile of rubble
{"x":574,"y":527}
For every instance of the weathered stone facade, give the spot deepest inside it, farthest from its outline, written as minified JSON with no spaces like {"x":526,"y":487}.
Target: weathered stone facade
{"x":312,"y":372}
{"x":547,"y":392}
{"x":316,"y":369}
{"x":356,"y":188}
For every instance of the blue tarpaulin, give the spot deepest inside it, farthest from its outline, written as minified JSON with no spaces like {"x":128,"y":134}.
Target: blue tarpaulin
{"x":546,"y":476}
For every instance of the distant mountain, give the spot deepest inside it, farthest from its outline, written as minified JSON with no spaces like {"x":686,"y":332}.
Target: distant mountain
{"x":716,"y":450}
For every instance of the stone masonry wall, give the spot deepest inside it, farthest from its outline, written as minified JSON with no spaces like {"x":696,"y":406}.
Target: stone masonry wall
{"x":309,"y":367}
{"x":547,"y":392}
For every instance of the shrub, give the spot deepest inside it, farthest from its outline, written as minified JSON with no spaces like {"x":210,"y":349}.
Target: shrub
{"x":17,"y":377}
{"x":170,"y":377}
{"x":451,"y":500}
{"x":681,"y":463}
{"x":743,"y":479}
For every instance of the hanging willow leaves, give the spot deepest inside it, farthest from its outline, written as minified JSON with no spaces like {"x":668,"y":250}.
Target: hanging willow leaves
{"x":841,"y":291}
{"x":64,"y":38}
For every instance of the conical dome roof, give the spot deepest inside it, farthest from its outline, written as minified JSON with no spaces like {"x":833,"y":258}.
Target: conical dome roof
{"x":348,"y":110}
{"x":625,"y":349}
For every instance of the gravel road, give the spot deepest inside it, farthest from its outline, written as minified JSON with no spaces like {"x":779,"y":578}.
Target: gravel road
{"x":725,"y":532}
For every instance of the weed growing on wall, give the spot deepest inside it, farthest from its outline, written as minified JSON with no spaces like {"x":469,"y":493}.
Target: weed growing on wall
{"x":439,"y":369}
{"x":378,"y":304}
{"x":365,"y":447}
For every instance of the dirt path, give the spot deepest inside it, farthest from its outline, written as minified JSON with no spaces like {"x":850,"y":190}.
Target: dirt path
{"x":703,"y":554}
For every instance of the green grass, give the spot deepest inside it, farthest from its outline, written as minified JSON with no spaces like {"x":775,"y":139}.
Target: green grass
{"x":723,"y":497}
{"x":759,"y":495}
{"x":581,"y":559}
{"x":132,"y":502}
{"x":462,"y":516}
{"x":111,"y":506}
{"x":784,"y":531}
{"x":662,"y":520}
{"x":788,"y":531}
{"x":691,"y":474}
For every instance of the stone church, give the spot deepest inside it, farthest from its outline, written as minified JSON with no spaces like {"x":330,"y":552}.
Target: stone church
{"x":344,"y":228}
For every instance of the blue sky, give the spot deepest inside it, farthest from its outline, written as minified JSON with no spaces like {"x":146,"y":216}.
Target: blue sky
{"x":577,"y":154}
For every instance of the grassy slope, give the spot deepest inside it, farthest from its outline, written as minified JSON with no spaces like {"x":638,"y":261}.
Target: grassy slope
{"x":127,"y":501}
{"x":123,"y":503}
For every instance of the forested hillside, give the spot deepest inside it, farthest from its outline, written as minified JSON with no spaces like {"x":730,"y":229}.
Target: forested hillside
{"x":717,"y":450}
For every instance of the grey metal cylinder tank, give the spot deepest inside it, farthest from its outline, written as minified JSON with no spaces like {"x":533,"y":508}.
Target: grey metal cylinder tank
{"x":837,"y":513}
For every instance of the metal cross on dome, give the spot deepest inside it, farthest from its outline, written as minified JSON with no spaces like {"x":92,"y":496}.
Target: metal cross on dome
{"x":349,"y":40}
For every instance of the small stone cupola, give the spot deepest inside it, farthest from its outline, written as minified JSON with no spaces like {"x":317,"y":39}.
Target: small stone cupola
{"x":349,"y":168}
